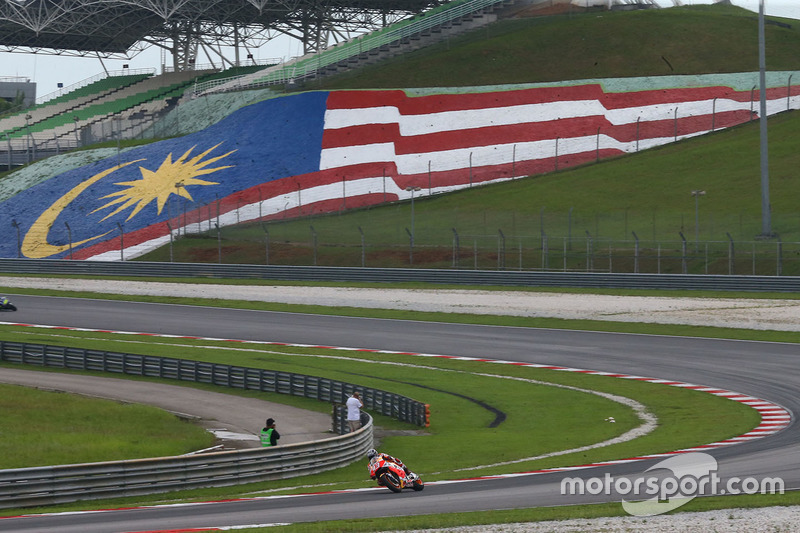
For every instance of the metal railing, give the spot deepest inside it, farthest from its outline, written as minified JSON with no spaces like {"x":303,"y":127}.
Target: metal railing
{"x":50,"y":485}
{"x":323,"y":389}
{"x":397,"y":275}
{"x":66,"y":483}
{"x":308,"y":66}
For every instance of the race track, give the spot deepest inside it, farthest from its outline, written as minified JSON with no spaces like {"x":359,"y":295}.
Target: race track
{"x":764,"y":370}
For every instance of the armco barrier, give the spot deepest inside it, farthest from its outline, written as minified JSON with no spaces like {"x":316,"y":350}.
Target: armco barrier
{"x":67,"y":483}
{"x":322,"y":389}
{"x":50,"y":485}
{"x":381,"y":275}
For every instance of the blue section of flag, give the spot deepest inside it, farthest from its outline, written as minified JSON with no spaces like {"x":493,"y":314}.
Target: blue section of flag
{"x":269,"y":140}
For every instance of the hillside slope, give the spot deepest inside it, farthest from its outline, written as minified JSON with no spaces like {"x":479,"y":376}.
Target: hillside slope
{"x":657,"y":42}
{"x":322,"y":152}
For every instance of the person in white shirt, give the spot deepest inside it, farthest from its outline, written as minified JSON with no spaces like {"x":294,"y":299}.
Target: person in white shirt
{"x":354,"y":405}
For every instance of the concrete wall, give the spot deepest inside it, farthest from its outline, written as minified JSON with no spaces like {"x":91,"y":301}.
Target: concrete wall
{"x":10,"y":87}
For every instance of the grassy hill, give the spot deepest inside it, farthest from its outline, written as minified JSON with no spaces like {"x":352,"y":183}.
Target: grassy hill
{"x":598,"y":206}
{"x":585,"y":215}
{"x":656,"y":42}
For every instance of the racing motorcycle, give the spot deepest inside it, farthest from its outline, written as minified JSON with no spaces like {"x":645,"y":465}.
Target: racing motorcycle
{"x":6,"y":305}
{"x":393,"y":476}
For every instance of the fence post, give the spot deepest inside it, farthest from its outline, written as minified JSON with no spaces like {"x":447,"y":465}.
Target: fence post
{"x":556,"y":161}
{"x":513,"y":161}
{"x":410,"y":247}
{"x":597,"y":147}
{"x":501,"y":249}
{"x":779,"y":258}
{"x":456,"y":248}
{"x":684,"y":268}
{"x":589,"y":252}
{"x":169,"y":227}
{"x":635,"y":252}
{"x":69,"y":234}
{"x":219,"y":244}
{"x":19,"y":237}
{"x":676,"y":124}
{"x":314,"y":243}
{"x":121,"y":242}
{"x":363,"y":248}
{"x":429,"y":177}
{"x":544,"y":253}
{"x":731,"y":258}
{"x":266,"y":243}
{"x":659,"y":258}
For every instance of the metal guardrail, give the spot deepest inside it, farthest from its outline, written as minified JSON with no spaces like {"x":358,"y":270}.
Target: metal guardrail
{"x":50,"y":485}
{"x":66,"y":483}
{"x":401,"y":275}
{"x":309,"y":66}
{"x":237,"y":377}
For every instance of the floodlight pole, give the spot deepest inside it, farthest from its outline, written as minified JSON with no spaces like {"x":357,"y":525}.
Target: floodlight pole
{"x":766,"y":222}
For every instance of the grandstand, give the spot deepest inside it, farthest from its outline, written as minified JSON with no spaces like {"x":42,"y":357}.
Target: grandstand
{"x":121,"y":105}
{"x":320,"y":151}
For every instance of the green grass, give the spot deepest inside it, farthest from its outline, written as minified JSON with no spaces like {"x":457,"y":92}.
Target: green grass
{"x":41,"y":428}
{"x":607,"y":200}
{"x":684,"y":40}
{"x":697,"y":417}
{"x":686,"y":418}
{"x":646,"y":193}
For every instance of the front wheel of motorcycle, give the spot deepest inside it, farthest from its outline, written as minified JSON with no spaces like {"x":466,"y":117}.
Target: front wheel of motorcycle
{"x":391,"y":482}
{"x":418,"y":484}
{"x":12,"y":307}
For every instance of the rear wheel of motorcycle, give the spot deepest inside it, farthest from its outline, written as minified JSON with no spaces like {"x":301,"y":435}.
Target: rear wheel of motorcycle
{"x":391,"y":482}
{"x":418,"y":484}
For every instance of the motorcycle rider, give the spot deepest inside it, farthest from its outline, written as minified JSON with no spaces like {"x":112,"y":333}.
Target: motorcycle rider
{"x":373,"y":454}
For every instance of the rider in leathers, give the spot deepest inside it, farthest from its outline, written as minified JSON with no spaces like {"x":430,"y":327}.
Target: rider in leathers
{"x":374,"y":454}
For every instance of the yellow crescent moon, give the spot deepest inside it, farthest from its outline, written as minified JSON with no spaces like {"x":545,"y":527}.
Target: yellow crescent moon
{"x":35,"y":245}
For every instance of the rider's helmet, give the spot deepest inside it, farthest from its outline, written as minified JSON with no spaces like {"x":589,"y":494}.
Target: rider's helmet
{"x":372,"y":453}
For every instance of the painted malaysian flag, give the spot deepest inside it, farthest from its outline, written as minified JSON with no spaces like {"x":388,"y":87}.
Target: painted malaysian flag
{"x":323,"y":152}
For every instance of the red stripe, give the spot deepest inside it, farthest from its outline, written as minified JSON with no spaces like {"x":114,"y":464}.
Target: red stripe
{"x":527,"y":132}
{"x":422,"y":105}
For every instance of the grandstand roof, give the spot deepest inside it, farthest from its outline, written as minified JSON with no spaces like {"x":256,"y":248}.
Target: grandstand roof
{"x":114,"y":26}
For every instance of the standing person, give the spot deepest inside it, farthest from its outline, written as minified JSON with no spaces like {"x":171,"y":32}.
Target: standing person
{"x":269,"y":435}
{"x":354,"y":405}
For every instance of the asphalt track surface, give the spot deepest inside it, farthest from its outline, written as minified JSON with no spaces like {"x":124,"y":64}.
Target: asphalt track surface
{"x":765,"y":370}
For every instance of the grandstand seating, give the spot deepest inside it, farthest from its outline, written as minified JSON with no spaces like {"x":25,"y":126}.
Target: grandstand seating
{"x":432,"y":26}
{"x":15,"y":125}
{"x":115,"y":107}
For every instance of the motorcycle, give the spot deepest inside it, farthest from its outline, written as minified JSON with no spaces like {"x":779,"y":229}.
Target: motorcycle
{"x":6,"y":305}
{"x":393,"y":476}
